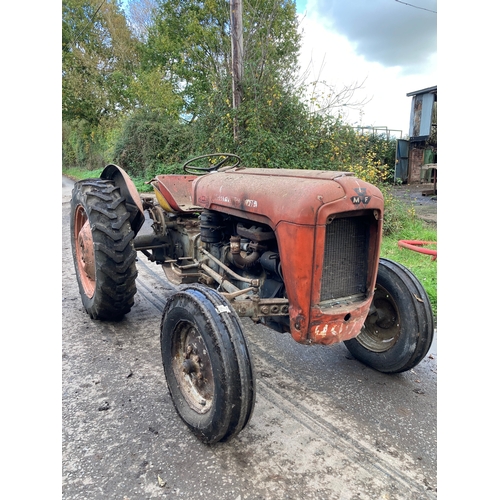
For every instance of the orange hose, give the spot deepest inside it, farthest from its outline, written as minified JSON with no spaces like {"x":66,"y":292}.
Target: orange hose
{"x":416,"y":246}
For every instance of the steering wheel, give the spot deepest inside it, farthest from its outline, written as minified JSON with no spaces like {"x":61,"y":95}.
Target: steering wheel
{"x":189,"y":168}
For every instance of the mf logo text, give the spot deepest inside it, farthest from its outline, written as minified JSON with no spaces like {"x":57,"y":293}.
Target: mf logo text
{"x":361,"y":197}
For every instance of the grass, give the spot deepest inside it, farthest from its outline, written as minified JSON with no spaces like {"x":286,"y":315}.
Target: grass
{"x":78,"y":174}
{"x":408,"y":228}
{"x":421,"y":265}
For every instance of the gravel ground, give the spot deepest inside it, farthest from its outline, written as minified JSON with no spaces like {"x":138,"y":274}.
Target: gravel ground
{"x":421,"y":197}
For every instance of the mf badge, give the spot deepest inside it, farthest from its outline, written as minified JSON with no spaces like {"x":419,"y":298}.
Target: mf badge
{"x":361,"y":197}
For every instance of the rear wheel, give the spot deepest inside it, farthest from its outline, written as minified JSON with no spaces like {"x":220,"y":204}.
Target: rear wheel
{"x":103,"y":253}
{"x":207,"y":363}
{"x":399,"y":329}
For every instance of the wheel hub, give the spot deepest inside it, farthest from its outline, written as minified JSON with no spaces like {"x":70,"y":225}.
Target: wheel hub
{"x":84,"y":248}
{"x":382,"y":326}
{"x":86,"y":245}
{"x":193,"y":369}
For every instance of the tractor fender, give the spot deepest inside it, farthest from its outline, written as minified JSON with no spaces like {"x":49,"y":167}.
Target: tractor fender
{"x":128,"y":190}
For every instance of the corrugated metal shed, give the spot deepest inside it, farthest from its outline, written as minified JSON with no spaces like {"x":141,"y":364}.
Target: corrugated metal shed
{"x":421,"y":113}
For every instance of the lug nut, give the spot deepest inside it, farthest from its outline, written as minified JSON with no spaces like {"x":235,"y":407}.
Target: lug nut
{"x":188,"y":366}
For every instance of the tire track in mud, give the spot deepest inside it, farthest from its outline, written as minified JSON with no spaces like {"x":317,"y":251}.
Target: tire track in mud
{"x":152,"y":297}
{"x":149,"y":283}
{"x":373,"y":462}
{"x":307,"y":410}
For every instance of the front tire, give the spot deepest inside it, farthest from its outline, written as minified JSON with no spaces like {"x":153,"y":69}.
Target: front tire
{"x":207,"y":363}
{"x":399,"y":329}
{"x":103,"y":252}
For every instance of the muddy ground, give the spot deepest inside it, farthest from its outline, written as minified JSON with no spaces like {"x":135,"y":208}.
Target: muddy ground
{"x":423,"y":197}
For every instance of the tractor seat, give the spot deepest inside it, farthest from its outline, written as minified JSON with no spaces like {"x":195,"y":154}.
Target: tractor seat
{"x":174,"y":194}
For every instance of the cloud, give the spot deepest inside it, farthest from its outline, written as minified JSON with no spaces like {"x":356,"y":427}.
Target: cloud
{"x":388,"y":32}
{"x":328,"y":56}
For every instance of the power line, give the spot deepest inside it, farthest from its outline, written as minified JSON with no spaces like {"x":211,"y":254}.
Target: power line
{"x":89,"y":22}
{"x":416,"y":7}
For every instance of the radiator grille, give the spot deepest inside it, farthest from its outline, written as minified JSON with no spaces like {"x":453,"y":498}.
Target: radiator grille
{"x":345,"y":263}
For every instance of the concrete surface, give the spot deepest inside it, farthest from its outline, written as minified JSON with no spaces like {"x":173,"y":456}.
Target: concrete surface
{"x":324,"y":426}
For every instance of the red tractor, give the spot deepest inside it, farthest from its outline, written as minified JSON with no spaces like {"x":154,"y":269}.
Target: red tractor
{"x":296,"y":250}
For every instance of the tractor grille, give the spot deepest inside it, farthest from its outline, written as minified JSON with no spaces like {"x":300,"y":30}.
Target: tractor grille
{"x":345,"y":263}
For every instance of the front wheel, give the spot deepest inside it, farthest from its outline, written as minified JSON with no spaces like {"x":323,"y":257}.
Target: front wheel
{"x":399,"y":329}
{"x":207,"y":363}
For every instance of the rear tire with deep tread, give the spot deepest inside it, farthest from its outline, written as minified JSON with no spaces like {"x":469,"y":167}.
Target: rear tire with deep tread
{"x":103,"y":251}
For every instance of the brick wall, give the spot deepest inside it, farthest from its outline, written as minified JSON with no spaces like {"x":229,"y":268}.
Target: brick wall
{"x":415,"y":161}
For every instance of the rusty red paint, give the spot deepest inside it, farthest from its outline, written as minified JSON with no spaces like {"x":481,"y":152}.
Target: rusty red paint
{"x":269,"y":195}
{"x":176,"y":189}
{"x":297,"y":205}
{"x":84,"y":249}
{"x":114,"y":172}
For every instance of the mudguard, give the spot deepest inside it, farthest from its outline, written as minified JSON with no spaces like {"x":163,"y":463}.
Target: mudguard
{"x":129,"y":192}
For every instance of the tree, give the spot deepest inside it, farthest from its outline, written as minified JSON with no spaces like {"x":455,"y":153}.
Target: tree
{"x":189,"y":44}
{"x":99,"y":57}
{"x":190,"y":41}
{"x":324,"y":98}
{"x":165,"y":71}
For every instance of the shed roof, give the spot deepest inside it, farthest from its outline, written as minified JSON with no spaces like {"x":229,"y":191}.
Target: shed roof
{"x":428,"y":90}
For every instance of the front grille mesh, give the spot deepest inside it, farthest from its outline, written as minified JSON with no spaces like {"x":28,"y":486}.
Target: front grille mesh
{"x":345,"y":264}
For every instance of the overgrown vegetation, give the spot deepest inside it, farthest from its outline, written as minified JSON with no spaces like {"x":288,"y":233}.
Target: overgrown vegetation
{"x":152,"y":87}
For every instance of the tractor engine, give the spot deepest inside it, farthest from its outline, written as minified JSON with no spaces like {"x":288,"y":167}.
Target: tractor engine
{"x":221,"y":250}
{"x":251,"y":252}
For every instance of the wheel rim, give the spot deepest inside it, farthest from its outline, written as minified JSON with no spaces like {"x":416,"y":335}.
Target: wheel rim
{"x":84,"y":246}
{"x":382,"y":327}
{"x":192,"y":367}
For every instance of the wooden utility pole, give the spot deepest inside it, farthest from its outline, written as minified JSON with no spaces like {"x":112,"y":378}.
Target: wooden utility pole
{"x":237,"y":56}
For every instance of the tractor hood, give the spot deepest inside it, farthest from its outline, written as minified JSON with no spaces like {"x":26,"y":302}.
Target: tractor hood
{"x":275,"y":195}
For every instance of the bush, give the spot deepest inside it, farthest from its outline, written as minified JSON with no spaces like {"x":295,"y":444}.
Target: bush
{"x":397,"y":215}
{"x":151,"y":143}
{"x":87,"y":147}
{"x":277,"y":133}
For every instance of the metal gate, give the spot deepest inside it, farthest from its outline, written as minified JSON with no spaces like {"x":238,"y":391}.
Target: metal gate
{"x":401,"y":167}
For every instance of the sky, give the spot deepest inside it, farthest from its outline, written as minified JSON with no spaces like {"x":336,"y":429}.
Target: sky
{"x":387,"y":47}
